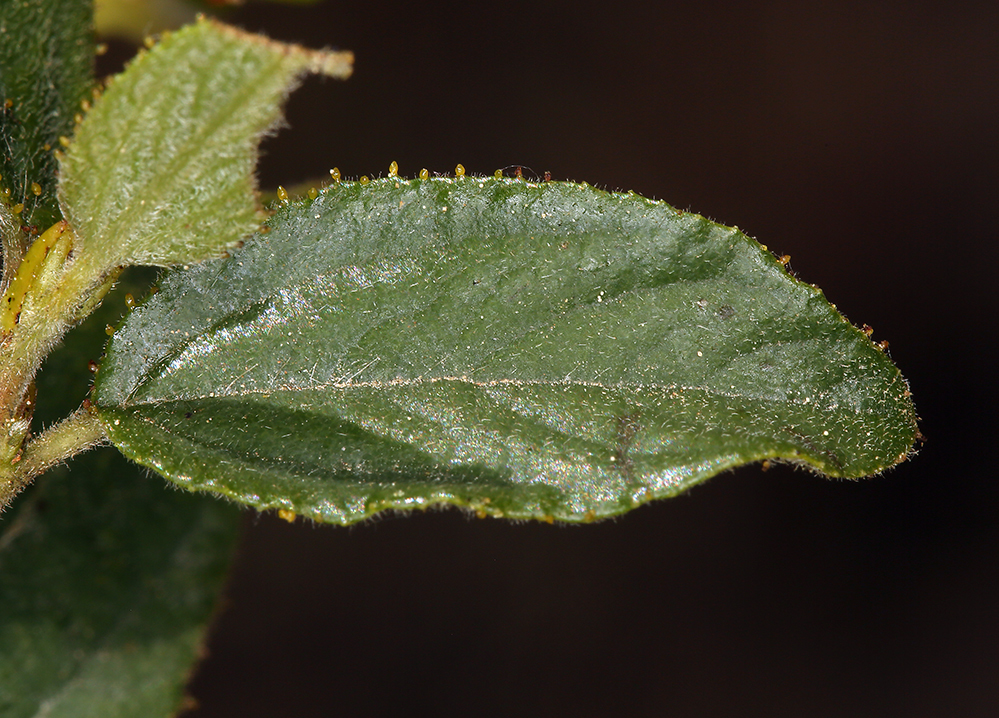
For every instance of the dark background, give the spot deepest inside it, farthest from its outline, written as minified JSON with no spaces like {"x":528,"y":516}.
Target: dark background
{"x":858,"y":137}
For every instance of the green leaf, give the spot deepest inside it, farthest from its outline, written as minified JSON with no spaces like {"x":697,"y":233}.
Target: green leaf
{"x":161,"y":169}
{"x":107,"y":580}
{"x":527,"y":350}
{"x":46,"y":70}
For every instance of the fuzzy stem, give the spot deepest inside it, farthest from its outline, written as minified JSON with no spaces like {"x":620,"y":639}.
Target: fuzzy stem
{"x":49,"y":294}
{"x":80,"y":431}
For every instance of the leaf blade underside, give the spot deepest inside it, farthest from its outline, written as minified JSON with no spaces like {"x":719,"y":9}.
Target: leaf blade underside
{"x":527,"y":350}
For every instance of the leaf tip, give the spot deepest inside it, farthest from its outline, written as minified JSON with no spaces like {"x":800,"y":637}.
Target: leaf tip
{"x":338,"y":64}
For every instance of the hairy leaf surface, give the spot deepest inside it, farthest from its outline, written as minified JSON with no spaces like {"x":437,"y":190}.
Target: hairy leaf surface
{"x":161,"y":169}
{"x":46,"y":70}
{"x":527,"y":350}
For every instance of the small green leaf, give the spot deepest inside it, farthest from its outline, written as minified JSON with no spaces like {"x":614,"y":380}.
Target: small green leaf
{"x":161,"y":169}
{"x":526,"y":350}
{"x":46,"y":70}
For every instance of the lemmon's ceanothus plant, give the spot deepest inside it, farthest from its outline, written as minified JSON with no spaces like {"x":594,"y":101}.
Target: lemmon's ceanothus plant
{"x":524,"y":349}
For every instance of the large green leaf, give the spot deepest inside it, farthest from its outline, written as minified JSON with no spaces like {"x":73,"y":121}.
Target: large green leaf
{"x":46,"y":71}
{"x":161,"y":169}
{"x":527,"y":350}
{"x":107,"y":577}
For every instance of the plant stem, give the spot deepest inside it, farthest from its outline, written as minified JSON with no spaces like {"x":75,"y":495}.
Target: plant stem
{"x":49,"y":293}
{"x":80,"y":431}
